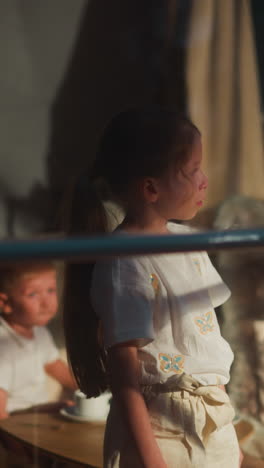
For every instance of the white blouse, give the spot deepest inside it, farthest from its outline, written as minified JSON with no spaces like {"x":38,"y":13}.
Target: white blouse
{"x":22,"y":373}
{"x":165,"y":304}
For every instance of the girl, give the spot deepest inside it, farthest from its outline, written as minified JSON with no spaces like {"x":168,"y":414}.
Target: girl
{"x":146,"y":326}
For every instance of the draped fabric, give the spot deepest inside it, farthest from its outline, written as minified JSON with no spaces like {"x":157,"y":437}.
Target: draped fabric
{"x":223,"y":97}
{"x":36,"y":40}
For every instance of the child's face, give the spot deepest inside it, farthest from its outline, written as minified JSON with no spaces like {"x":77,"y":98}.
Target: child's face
{"x":182,"y":193}
{"x":33,"y":299}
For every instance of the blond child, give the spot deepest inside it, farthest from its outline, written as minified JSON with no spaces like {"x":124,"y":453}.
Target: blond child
{"x":28,"y":301}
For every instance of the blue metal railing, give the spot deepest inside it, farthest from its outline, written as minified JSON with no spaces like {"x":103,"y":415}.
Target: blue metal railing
{"x":90,"y":248}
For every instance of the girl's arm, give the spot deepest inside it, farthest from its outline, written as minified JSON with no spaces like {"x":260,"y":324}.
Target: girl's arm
{"x":3,"y":404}
{"x":60,"y":371}
{"x":124,"y":373}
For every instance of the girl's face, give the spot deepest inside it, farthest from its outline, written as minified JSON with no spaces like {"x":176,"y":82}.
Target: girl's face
{"x":182,"y":193}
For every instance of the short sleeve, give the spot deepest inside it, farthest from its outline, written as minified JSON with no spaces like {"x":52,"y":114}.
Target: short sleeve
{"x":218,"y":290}
{"x":48,"y":349}
{"x":123,"y":298}
{"x":5,"y":367}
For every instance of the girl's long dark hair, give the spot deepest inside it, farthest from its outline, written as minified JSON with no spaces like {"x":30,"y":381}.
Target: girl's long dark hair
{"x":86,"y":354}
{"x":137,"y":143}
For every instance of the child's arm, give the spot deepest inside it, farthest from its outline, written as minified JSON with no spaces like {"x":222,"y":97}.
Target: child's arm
{"x":60,"y":371}
{"x":3,"y":404}
{"x":125,"y":372}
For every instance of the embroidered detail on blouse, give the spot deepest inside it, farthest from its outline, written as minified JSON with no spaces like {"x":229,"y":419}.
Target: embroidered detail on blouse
{"x":197,"y":264}
{"x":205,"y":323}
{"x":170,"y":363}
{"x":155,"y":283}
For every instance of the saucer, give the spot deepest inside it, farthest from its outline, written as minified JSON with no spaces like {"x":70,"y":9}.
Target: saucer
{"x":68,"y":412}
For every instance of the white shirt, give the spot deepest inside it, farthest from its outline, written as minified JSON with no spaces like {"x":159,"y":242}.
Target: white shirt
{"x":166,"y":304}
{"x":22,"y":362}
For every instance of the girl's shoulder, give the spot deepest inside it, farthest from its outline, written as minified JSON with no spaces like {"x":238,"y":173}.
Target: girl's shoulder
{"x":120,"y":276}
{"x":122,"y":266}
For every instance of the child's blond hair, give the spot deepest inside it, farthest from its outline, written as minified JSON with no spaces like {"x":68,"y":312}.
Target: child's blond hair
{"x":9,"y":274}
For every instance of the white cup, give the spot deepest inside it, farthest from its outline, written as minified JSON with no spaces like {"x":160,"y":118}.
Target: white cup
{"x":92,"y":409}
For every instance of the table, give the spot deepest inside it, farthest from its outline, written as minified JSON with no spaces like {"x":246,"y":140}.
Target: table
{"x":55,"y":436}
{"x":81,"y":443}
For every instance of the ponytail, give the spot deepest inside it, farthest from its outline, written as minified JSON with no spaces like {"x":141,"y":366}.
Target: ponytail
{"x":86,"y":215}
{"x":85,"y":352}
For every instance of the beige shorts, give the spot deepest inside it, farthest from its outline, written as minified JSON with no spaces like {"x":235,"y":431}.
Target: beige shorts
{"x":192,"y":430}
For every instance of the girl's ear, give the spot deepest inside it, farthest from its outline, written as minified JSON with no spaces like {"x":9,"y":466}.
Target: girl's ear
{"x":150,"y":190}
{"x":4,"y":304}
